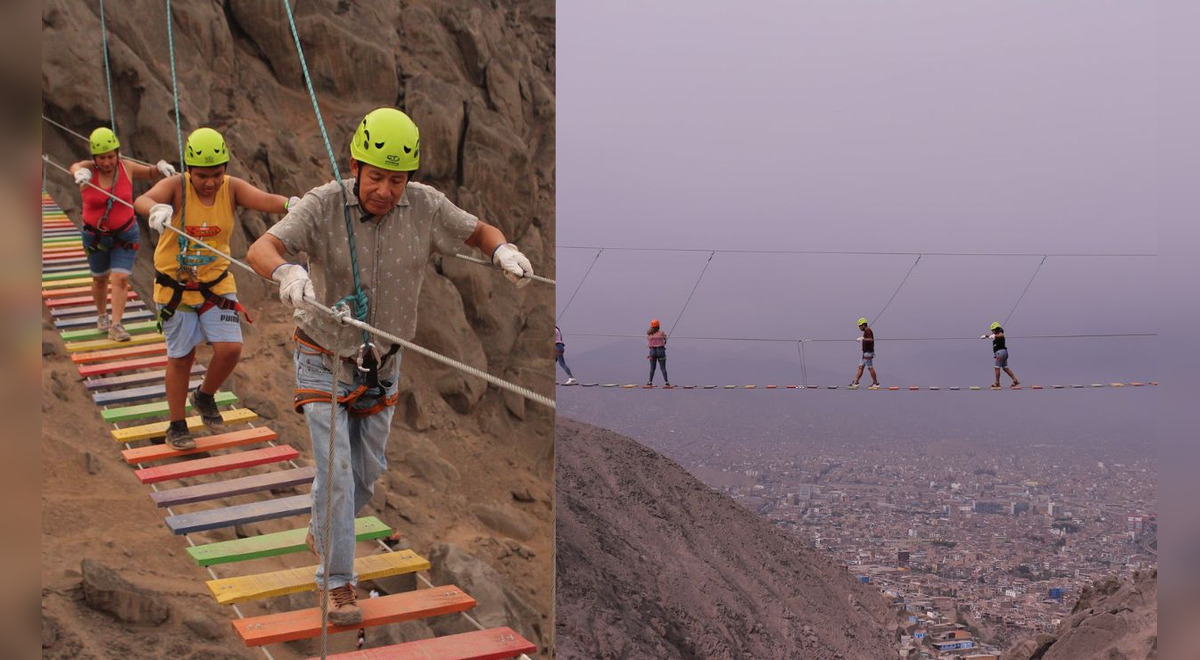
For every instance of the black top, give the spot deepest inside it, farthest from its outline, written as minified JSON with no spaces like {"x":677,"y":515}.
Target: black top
{"x":868,"y":341}
{"x":998,"y":339}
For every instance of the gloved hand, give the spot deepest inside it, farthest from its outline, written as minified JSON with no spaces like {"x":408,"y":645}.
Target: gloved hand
{"x":859,"y":339}
{"x":294,"y":283}
{"x":160,"y":216}
{"x":166,"y":169}
{"x":516,"y":266}
{"x":83,"y":175}
{"x":291,"y":203}
{"x":987,"y":336}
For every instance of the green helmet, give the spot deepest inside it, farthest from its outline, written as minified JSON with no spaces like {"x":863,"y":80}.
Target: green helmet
{"x":995,"y":325}
{"x":103,"y":140}
{"x":388,"y":139}
{"x":862,"y":322}
{"x":205,"y":148}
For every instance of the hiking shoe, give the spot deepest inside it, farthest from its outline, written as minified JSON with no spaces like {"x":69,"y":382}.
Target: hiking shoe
{"x":207,"y":407}
{"x":103,"y":322}
{"x":343,"y":606}
{"x":571,"y":381}
{"x":180,"y":440}
{"x":853,"y":386}
{"x":117,"y":332}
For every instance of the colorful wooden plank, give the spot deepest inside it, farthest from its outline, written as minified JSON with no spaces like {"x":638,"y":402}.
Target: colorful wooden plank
{"x":66,"y":266}
{"x":93,"y":345}
{"x":134,"y":380}
{"x":98,"y":369}
{"x":188,"y":523}
{"x":207,"y":443}
{"x":278,"y":543}
{"x":66,"y":275}
{"x":159,"y":429}
{"x":159,"y":348}
{"x":155,"y":409}
{"x":233,"y":487}
{"x":73,"y":291}
{"x":198,"y":466}
{"x":86,"y":321}
{"x":490,"y":644}
{"x":92,"y":333}
{"x":71,"y":312}
{"x":297,"y":580}
{"x":134,"y":394}
{"x":69,"y":301}
{"x":72,"y":285}
{"x":304,"y":624}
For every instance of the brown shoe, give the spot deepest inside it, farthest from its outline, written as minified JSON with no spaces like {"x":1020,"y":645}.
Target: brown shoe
{"x":343,"y":606}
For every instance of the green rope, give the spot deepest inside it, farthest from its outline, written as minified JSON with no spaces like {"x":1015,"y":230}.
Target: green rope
{"x":358,"y":299}
{"x":183,"y":243}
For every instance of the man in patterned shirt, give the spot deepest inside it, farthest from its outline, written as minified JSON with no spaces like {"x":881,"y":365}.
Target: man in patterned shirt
{"x":397,"y":225}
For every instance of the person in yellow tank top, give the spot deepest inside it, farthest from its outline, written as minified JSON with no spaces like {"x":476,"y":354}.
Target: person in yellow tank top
{"x":194,"y":288}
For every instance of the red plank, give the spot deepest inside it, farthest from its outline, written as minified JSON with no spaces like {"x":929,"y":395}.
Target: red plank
{"x":199,"y":466}
{"x":118,"y":353}
{"x":237,"y":438}
{"x":304,"y":624}
{"x":121,"y":365}
{"x":491,"y":644}
{"x":80,"y":300}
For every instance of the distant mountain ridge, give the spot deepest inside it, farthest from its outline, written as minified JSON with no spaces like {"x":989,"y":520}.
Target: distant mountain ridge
{"x":652,"y":563}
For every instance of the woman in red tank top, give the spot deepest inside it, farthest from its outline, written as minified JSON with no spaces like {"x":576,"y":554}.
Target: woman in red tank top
{"x":110,"y":230}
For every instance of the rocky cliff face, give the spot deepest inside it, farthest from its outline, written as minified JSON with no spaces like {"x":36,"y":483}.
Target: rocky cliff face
{"x":467,"y":466}
{"x":1115,"y":620}
{"x":654,"y":564}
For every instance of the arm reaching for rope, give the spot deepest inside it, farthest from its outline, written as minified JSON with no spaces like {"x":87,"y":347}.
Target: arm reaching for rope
{"x":247,"y":195}
{"x":490,"y":240}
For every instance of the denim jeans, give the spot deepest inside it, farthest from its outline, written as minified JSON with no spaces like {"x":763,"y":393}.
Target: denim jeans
{"x":359,"y":447}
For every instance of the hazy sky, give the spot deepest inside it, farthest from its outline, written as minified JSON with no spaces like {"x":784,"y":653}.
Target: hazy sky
{"x":899,"y":126}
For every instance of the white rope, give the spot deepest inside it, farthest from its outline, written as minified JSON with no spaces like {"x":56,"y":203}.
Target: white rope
{"x":325,"y":553}
{"x":485,"y":262}
{"x":340,"y":318}
{"x":85,"y":139}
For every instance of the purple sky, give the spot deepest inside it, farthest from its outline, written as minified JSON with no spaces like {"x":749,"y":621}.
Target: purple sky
{"x":901,"y":126}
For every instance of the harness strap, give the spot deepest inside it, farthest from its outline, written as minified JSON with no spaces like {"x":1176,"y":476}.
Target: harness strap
{"x":205,"y":288}
{"x":117,"y":242}
{"x":305,"y":395}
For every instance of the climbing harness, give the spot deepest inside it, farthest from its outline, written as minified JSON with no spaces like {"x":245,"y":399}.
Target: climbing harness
{"x":367,"y":365}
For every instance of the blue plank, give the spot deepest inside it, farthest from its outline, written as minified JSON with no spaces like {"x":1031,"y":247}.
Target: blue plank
{"x":135,"y":379}
{"x":86,"y":321}
{"x":133,"y":394}
{"x":187,"y":523}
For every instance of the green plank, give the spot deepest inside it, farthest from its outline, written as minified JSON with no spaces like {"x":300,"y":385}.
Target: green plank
{"x":67,"y":275}
{"x":156,"y":409}
{"x":92,"y":333}
{"x":279,"y":543}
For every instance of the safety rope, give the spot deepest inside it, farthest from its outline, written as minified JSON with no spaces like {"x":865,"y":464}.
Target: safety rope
{"x":183,"y":245}
{"x":889,"y":339}
{"x":862,"y":252}
{"x":897,"y":291}
{"x":577,"y":288}
{"x":1027,"y":285}
{"x":112,"y":115}
{"x":693,"y":292}
{"x":485,"y":262}
{"x":83,"y":137}
{"x":359,"y":297}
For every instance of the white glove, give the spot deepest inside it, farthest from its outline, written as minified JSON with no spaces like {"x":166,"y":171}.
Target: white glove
{"x":987,"y":336}
{"x":291,"y":203}
{"x":294,"y":284}
{"x":516,"y":267}
{"x":160,"y":216}
{"x":166,"y":169}
{"x":858,"y":339}
{"x":83,"y":175}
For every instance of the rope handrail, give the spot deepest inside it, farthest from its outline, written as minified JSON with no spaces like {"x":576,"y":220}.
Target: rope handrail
{"x":83,"y":137}
{"x":790,"y":340}
{"x":861,"y":252}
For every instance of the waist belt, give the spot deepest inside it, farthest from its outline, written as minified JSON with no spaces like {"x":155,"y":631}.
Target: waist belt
{"x":117,"y":242}
{"x":367,"y":363}
{"x":205,"y":288}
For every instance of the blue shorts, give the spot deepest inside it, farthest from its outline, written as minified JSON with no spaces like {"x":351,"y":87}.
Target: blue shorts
{"x":657,"y":353}
{"x":868,"y":360}
{"x":1001,"y":357}
{"x":186,"y":329}
{"x":107,"y":258}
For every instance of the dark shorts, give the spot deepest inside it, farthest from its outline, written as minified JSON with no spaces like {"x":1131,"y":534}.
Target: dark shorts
{"x":658,"y":353}
{"x":103,"y":258}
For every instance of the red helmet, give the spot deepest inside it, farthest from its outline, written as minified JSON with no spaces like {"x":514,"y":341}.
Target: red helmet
{"x":653,"y":323}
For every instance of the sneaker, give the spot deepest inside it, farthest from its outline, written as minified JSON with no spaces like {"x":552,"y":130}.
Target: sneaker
{"x":180,"y":440}
{"x":666,"y":385}
{"x":117,"y":332}
{"x":103,"y":322}
{"x":343,"y":606}
{"x":875,"y":385}
{"x":207,"y":407}
{"x":651,"y":384}
{"x":996,"y":386}
{"x":853,"y":386}
{"x":571,"y":381}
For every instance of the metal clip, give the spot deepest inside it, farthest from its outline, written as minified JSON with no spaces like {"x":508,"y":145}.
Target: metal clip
{"x":367,"y":351}
{"x":341,"y":312}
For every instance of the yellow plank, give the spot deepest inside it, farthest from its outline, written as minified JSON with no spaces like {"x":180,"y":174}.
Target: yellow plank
{"x":105,"y":344}
{"x":159,"y":429}
{"x":295,"y":580}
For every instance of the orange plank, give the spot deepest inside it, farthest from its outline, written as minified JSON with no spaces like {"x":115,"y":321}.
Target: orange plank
{"x":304,"y":624}
{"x":117,"y":353}
{"x":198,"y":466}
{"x":205,"y":443}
